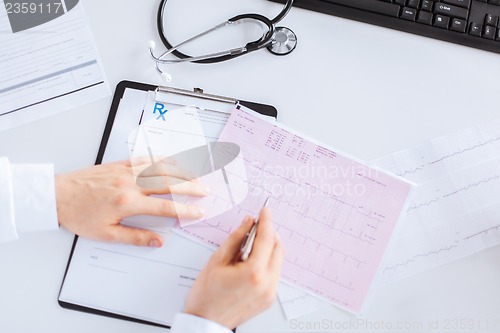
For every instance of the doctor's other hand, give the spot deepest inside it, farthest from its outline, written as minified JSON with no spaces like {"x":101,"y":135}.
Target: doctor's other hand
{"x":92,"y":202}
{"x":229,"y":291}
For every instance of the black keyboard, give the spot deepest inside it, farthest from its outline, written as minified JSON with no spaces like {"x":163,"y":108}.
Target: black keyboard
{"x":473,"y":23}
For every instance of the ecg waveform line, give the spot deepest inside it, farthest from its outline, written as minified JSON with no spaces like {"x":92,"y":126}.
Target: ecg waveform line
{"x":278,"y":227}
{"x":447,"y":248}
{"x":485,"y":231}
{"x":332,"y":250}
{"x":348,"y":287}
{"x":420,"y":255}
{"x":421,"y":167}
{"x":461,"y":189}
{"x":437,"y":252}
{"x":306,"y":238}
{"x":378,"y":218}
{"x":295,"y":299}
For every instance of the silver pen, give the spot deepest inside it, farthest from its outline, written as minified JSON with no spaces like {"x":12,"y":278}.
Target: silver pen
{"x":246,"y":247}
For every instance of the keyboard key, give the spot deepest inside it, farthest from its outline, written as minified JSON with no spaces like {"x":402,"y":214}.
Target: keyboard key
{"x":475,"y":29}
{"x":374,"y":6}
{"x":458,"y":25}
{"x":489,"y":32}
{"x":402,"y":3}
{"x":427,"y":5}
{"x":424,"y":17}
{"x":441,"y":21}
{"x":460,"y":3}
{"x":413,"y":3}
{"x":449,"y":10}
{"x":409,"y":14}
{"x":491,"y":20}
{"x":494,"y":2}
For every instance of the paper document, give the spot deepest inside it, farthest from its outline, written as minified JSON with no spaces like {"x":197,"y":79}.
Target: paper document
{"x":48,"y":68}
{"x":455,"y":210}
{"x":334,"y":214}
{"x":143,"y":283}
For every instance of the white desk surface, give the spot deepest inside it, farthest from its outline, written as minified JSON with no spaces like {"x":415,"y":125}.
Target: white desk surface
{"x":363,"y":89}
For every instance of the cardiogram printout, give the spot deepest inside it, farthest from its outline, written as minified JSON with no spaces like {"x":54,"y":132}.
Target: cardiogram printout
{"x":48,"y":68}
{"x":455,"y":209}
{"x":334,"y":215}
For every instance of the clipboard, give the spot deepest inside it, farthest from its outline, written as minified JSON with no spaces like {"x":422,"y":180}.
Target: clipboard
{"x":197,"y":93}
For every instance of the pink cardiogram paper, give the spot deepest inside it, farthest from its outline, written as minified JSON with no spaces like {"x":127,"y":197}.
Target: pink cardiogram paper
{"x":334,"y":215}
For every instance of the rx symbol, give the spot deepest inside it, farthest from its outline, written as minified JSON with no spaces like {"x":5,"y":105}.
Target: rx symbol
{"x":161,"y":111}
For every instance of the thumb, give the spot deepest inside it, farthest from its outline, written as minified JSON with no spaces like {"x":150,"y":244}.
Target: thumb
{"x":230,"y":248}
{"x":135,"y":236}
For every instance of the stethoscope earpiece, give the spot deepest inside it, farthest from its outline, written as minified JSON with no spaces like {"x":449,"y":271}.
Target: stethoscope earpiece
{"x":283,"y":42}
{"x":166,"y":77}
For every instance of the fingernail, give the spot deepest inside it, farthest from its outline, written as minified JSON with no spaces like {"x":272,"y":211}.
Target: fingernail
{"x":247,"y":219}
{"x":200,"y":212}
{"x":154,"y":243}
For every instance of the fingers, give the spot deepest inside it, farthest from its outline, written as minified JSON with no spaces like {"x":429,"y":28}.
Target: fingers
{"x":136,"y":161}
{"x":165,"y":169}
{"x":143,"y":167}
{"x":150,"y":165}
{"x":145,"y":205}
{"x":134,"y":236}
{"x":164,"y":178}
{"x":264,"y":241}
{"x":276,"y":262}
{"x":146,"y":160}
{"x":171,"y":185}
{"x":230,"y":249}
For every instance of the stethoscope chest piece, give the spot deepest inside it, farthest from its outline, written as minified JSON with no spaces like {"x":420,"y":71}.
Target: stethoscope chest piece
{"x":283,"y":41}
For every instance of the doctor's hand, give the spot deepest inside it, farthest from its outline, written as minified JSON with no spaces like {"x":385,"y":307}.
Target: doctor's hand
{"x":92,"y":202}
{"x":229,"y":291}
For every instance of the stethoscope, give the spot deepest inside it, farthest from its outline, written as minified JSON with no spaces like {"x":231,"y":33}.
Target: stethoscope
{"x":277,"y":40}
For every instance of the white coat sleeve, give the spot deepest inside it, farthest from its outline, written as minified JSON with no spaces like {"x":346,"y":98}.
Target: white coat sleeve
{"x":27,"y":199}
{"x":185,"y":323}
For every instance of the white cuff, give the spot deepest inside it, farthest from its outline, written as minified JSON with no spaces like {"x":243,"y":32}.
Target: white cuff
{"x":34,"y":197}
{"x":186,"y":323}
{"x":8,"y":230}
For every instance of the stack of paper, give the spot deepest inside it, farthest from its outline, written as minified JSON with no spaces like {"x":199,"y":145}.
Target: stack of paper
{"x":48,"y":68}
